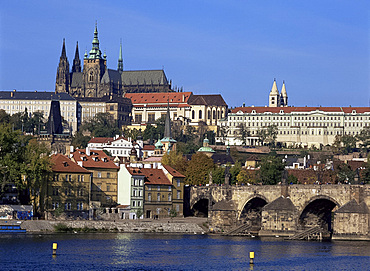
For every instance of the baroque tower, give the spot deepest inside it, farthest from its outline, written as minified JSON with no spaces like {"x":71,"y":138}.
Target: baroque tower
{"x":274,"y":97}
{"x":62,"y":80}
{"x":283,"y":96}
{"x":93,"y":70}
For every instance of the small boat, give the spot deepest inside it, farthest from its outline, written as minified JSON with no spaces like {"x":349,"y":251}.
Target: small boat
{"x":6,"y":227}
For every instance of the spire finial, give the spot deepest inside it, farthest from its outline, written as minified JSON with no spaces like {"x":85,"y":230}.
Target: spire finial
{"x":120,"y":59}
{"x":64,"y":54}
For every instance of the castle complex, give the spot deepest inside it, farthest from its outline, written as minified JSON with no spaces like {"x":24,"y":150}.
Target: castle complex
{"x":96,"y":80}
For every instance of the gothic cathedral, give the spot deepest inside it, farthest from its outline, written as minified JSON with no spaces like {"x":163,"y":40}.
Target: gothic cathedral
{"x":94,"y":79}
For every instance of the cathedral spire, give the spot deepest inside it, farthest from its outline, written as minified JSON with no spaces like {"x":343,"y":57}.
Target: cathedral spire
{"x":76,"y":67}
{"x":64,"y":54}
{"x":167,"y":123}
{"x":95,"y":51}
{"x":120,"y":59}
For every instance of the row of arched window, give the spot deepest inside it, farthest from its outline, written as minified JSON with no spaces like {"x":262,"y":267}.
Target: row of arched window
{"x":210,"y":114}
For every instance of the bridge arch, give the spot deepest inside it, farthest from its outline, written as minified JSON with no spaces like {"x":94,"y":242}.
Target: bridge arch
{"x":200,"y":206}
{"x":251,"y":212}
{"x":317,"y":211}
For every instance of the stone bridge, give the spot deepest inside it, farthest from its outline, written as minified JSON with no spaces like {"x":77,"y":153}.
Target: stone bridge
{"x":341,"y":210}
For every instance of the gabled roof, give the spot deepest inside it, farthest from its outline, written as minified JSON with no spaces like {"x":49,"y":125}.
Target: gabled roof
{"x":353,"y":207}
{"x":148,"y":148}
{"x":62,"y":163}
{"x":275,"y":110}
{"x":207,"y":100}
{"x":134,"y":171}
{"x":111,"y":76}
{"x":100,"y":140}
{"x":155,"y":176}
{"x":34,"y":95}
{"x":173,"y":172}
{"x":96,"y":159}
{"x":144,"y":77}
{"x":280,"y":203}
{"x":159,"y":98}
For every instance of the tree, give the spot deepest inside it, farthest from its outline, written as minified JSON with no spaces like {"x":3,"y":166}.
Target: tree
{"x":175,"y":160}
{"x":79,"y":140}
{"x":37,"y":170}
{"x":344,"y":173}
{"x":344,"y":143}
{"x":234,"y":171}
{"x":218,"y":175}
{"x":4,"y":117}
{"x":173,"y":213}
{"x":268,"y":135}
{"x":364,"y":138}
{"x":198,"y":168}
{"x":271,"y":169}
{"x":243,"y":133}
{"x":102,"y":125}
{"x":222,"y":133}
{"x":247,"y":177}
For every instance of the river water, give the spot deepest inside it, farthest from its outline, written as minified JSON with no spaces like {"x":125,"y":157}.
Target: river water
{"x":135,"y":251}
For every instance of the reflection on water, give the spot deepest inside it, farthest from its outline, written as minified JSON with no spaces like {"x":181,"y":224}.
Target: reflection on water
{"x":176,"y":252}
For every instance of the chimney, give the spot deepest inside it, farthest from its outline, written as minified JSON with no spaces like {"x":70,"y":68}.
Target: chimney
{"x":183,"y":97}
{"x":88,"y":151}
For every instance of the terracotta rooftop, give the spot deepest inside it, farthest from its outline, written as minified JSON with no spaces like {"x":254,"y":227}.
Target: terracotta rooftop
{"x":155,"y":176}
{"x":148,"y":147}
{"x":173,"y":172}
{"x":291,"y":109}
{"x":160,"y":98}
{"x":96,"y":159}
{"x":62,"y":163}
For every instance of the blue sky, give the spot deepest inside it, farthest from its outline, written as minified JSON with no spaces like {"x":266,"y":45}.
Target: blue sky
{"x":236,"y":48}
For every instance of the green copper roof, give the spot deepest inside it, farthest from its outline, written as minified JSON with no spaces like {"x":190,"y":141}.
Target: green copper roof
{"x":206,"y":149}
{"x":158,"y":145}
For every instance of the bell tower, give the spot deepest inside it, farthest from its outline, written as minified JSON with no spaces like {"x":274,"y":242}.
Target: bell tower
{"x":93,"y":70}
{"x":274,"y":97}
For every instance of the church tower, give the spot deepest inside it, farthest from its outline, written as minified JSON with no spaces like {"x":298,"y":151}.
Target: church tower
{"x":274,"y":97}
{"x":62,"y":80}
{"x":76,"y":61}
{"x":120,"y":59}
{"x":93,"y":70}
{"x":283,"y":96}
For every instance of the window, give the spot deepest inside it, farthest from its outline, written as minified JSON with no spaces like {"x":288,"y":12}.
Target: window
{"x":158,"y":197}
{"x":80,"y":206}
{"x":151,"y":117}
{"x":99,"y":174}
{"x":169,"y":197}
{"x":169,"y":188}
{"x":55,"y":191}
{"x":149,"y":196}
{"x":108,"y":175}
{"x":108,"y":188}
{"x":138,"y":118}
{"x":133,"y":203}
{"x":177,"y":208}
{"x":178,"y":194}
{"x":68,"y":206}
{"x":178,"y":182}
{"x":158,"y":188}
{"x":193,"y":114}
{"x":91,"y":76}
{"x":200,"y":114}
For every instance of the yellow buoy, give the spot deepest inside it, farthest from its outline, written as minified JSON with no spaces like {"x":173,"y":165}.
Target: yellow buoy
{"x":251,"y":257}
{"x":55,"y":246}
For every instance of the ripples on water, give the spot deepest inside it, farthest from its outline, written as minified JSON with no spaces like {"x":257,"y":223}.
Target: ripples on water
{"x":125,"y":251}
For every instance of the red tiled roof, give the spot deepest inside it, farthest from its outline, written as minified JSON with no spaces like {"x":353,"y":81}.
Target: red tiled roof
{"x":100,"y":140}
{"x":356,"y":164}
{"x":155,"y":176}
{"x":62,"y":163}
{"x":173,"y":172}
{"x":135,"y":171}
{"x":148,"y":147}
{"x":260,"y":109}
{"x":145,"y":98}
{"x":96,"y":159}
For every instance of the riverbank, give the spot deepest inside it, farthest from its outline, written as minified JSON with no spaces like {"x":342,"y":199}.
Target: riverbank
{"x":180,"y":225}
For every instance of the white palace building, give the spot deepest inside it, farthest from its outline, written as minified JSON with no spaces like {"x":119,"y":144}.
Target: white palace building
{"x":298,"y":126}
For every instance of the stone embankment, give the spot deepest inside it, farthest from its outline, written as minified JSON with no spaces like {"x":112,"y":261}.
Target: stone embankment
{"x":150,"y":226}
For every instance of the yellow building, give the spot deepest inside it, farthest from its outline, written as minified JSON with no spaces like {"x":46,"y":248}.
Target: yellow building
{"x":105,"y":175}
{"x":69,"y":190}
